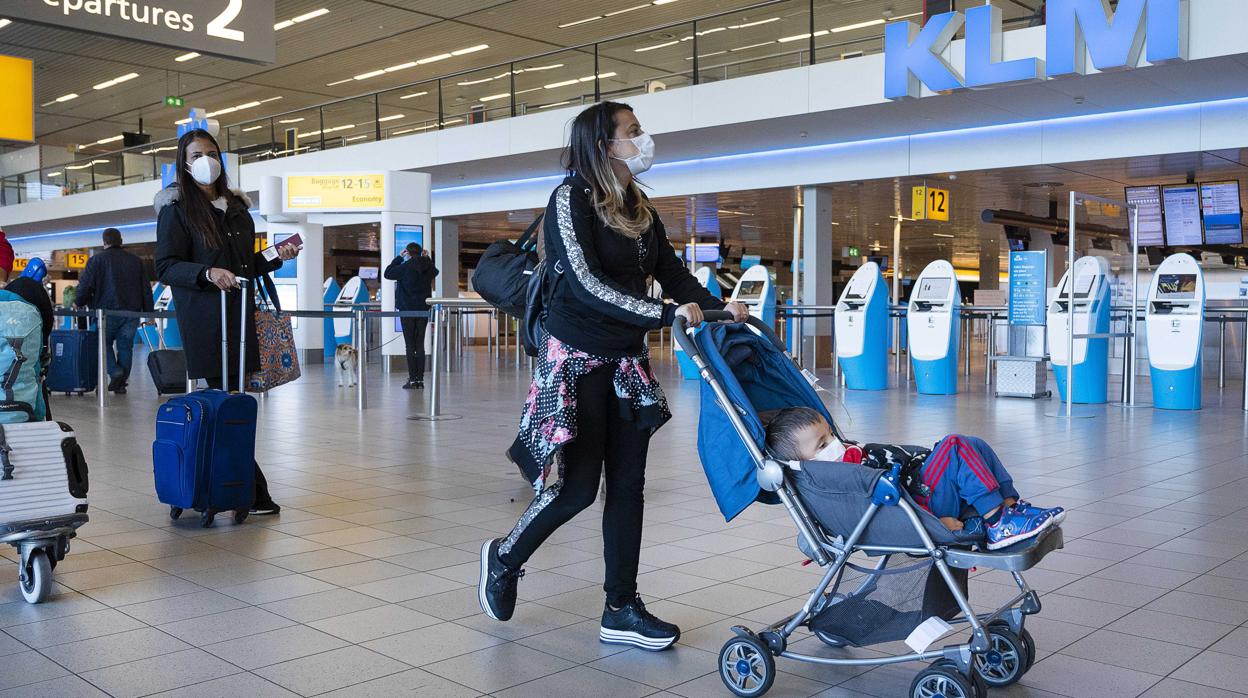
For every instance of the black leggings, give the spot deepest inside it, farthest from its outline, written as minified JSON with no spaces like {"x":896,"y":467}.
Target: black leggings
{"x":414,"y":338}
{"x":603,"y":437}
{"x":263,"y":498}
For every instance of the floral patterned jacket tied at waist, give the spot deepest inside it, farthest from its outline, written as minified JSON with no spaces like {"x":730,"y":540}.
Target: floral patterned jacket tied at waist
{"x":549,"y":419}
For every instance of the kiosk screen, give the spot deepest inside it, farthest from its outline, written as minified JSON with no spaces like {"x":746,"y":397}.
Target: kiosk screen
{"x":1083,"y":287}
{"x":1177,"y":286}
{"x":934,"y":289}
{"x":750,"y":290}
{"x":858,"y":287}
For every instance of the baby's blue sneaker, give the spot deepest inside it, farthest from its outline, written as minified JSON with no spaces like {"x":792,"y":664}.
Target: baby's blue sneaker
{"x":1016,"y":526}
{"x":1059,"y":513}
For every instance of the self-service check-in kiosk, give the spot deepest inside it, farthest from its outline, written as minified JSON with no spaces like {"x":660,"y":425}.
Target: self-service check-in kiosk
{"x":706,"y":277}
{"x":756,"y":290}
{"x":1092,"y":298}
{"x":1174,"y":323}
{"x":932,"y":328}
{"x":861,"y":323}
{"x":162,"y":300}
{"x":329,"y":296}
{"x":353,"y":293}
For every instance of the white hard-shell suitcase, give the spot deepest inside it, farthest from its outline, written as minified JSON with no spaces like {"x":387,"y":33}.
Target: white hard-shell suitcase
{"x":43,"y":498}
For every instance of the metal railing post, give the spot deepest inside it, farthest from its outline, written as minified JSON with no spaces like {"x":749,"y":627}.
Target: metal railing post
{"x":435,"y":389}
{"x":1221,"y":351}
{"x":361,"y":347}
{"x":1244,"y":404}
{"x":101,"y":359}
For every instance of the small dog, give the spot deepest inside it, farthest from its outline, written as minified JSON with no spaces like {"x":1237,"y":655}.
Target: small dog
{"x":346,"y":358}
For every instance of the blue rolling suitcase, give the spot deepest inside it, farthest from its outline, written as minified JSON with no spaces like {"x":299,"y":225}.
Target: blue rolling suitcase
{"x":205,"y":449}
{"x":74,"y":355}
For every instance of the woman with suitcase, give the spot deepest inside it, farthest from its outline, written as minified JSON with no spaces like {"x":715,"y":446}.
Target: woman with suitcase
{"x":205,"y":242}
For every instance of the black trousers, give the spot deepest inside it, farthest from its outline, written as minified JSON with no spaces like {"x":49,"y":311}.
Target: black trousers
{"x":603,"y":438}
{"x":414,"y":338}
{"x":263,"y":497}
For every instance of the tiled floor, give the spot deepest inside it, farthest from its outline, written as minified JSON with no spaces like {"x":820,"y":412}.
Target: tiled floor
{"x":365,"y":584}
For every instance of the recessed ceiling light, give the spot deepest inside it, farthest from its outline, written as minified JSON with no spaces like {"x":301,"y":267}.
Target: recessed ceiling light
{"x":110,"y":139}
{"x":186,"y":57}
{"x":859,"y":25}
{"x":290,"y":121}
{"x":50,"y":174}
{"x":392,"y":117}
{"x":115,"y":81}
{"x":301,"y":18}
{"x":254,"y":128}
{"x":4,"y":23}
{"x":62,"y":98}
{"x":470,"y":49}
{"x":414,"y":94}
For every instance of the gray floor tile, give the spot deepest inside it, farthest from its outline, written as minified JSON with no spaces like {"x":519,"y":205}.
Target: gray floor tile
{"x":1215,"y":669}
{"x":274,"y":646}
{"x":1080,"y":678}
{"x":305,"y":609}
{"x":248,"y":685}
{"x":1171,"y":628}
{"x":227,"y":625}
{"x":100,"y":652}
{"x":432,"y":644}
{"x":64,"y":687}
{"x":332,"y":670}
{"x":78,"y":627}
{"x":413,"y":683}
{"x":1131,"y":652}
{"x":577,"y":681}
{"x":161,"y":673}
{"x":501,"y":666}
{"x":26,"y":668}
{"x":374,"y":623}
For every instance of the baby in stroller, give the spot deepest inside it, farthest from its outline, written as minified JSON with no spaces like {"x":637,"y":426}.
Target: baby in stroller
{"x":958,"y":476}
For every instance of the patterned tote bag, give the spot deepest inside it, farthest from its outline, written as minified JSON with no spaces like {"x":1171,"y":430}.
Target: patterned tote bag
{"x":279,"y":360}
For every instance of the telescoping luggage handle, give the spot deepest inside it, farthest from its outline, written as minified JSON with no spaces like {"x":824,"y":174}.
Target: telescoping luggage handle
{"x":242,"y":339}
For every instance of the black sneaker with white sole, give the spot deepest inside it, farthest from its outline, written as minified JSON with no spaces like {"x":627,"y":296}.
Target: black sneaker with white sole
{"x":634,"y":625}
{"x":496,"y":587}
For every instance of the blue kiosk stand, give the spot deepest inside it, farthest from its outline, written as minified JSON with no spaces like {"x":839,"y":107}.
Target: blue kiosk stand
{"x":353,"y":293}
{"x":706,"y":276}
{"x":756,"y":290}
{"x":1091,"y":316}
{"x":329,"y":296}
{"x":861,"y":323}
{"x":162,"y":300}
{"x":933,"y":320}
{"x":1174,"y":323}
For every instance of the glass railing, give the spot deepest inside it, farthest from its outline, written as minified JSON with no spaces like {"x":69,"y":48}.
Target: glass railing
{"x":766,"y":37}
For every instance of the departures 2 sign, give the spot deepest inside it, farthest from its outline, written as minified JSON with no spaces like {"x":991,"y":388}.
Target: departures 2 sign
{"x":241,"y":29}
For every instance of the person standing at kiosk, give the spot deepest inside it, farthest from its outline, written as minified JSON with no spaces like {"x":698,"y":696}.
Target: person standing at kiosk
{"x":594,"y":402}
{"x":413,"y":273}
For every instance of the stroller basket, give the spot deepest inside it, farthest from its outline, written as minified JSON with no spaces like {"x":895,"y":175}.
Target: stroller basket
{"x":889,"y":602}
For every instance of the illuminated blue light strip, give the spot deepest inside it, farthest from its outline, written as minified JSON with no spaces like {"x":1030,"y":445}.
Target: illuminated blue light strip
{"x":96,"y":229}
{"x":802,"y":150}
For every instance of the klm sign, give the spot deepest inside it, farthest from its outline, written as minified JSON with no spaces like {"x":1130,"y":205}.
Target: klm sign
{"x":1076,"y":29}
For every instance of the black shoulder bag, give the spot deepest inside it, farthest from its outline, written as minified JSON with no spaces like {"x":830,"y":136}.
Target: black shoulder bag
{"x":502,"y":276}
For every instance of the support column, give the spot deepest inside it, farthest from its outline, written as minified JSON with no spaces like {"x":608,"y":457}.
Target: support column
{"x":989,"y":260}
{"x":446,"y":257}
{"x":817,"y":254}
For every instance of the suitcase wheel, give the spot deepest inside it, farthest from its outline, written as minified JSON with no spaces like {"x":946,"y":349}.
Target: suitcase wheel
{"x":175,"y":513}
{"x":240,"y":515}
{"x":208,"y":517}
{"x":36,"y":577}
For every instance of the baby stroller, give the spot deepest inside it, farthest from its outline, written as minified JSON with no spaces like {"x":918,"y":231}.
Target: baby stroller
{"x":888,"y":564}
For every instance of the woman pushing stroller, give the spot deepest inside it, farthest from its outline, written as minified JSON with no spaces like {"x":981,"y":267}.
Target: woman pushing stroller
{"x":960,"y":472}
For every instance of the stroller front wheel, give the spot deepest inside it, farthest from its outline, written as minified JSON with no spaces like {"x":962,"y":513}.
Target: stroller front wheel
{"x":1006,"y":660}
{"x":747,"y":667}
{"x":944,"y":681}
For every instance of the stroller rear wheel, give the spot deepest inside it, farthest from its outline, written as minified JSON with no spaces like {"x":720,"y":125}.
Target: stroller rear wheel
{"x":1007,"y":658}
{"x":747,"y":667}
{"x":35,"y":579}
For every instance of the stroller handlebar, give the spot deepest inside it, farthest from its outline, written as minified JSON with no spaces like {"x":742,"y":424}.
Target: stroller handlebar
{"x":680,"y":330}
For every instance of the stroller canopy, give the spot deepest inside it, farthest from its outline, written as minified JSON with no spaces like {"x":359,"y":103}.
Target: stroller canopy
{"x":757,"y":377}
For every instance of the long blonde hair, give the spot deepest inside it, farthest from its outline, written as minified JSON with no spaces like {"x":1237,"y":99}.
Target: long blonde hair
{"x":587,"y":155}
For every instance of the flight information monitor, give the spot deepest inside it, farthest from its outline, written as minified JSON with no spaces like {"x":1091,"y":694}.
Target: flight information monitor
{"x":1177,"y":286}
{"x":1147,"y":200}
{"x":934,"y":289}
{"x":1181,"y":209}
{"x":1219,"y":202}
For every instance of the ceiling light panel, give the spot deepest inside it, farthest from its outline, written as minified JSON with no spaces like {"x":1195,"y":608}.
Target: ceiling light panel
{"x":187,"y":57}
{"x":115,"y":81}
{"x":287,"y":23}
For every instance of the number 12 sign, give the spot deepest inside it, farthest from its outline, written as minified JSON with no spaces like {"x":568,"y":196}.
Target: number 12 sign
{"x":930,"y":203}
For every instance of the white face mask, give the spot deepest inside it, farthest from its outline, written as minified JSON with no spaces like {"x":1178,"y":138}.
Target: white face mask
{"x":645,"y":153}
{"x":832,"y":452}
{"x":205,"y":170}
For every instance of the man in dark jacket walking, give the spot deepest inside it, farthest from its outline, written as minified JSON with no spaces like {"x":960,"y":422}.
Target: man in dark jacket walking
{"x":116,"y":280}
{"x":413,"y":273}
